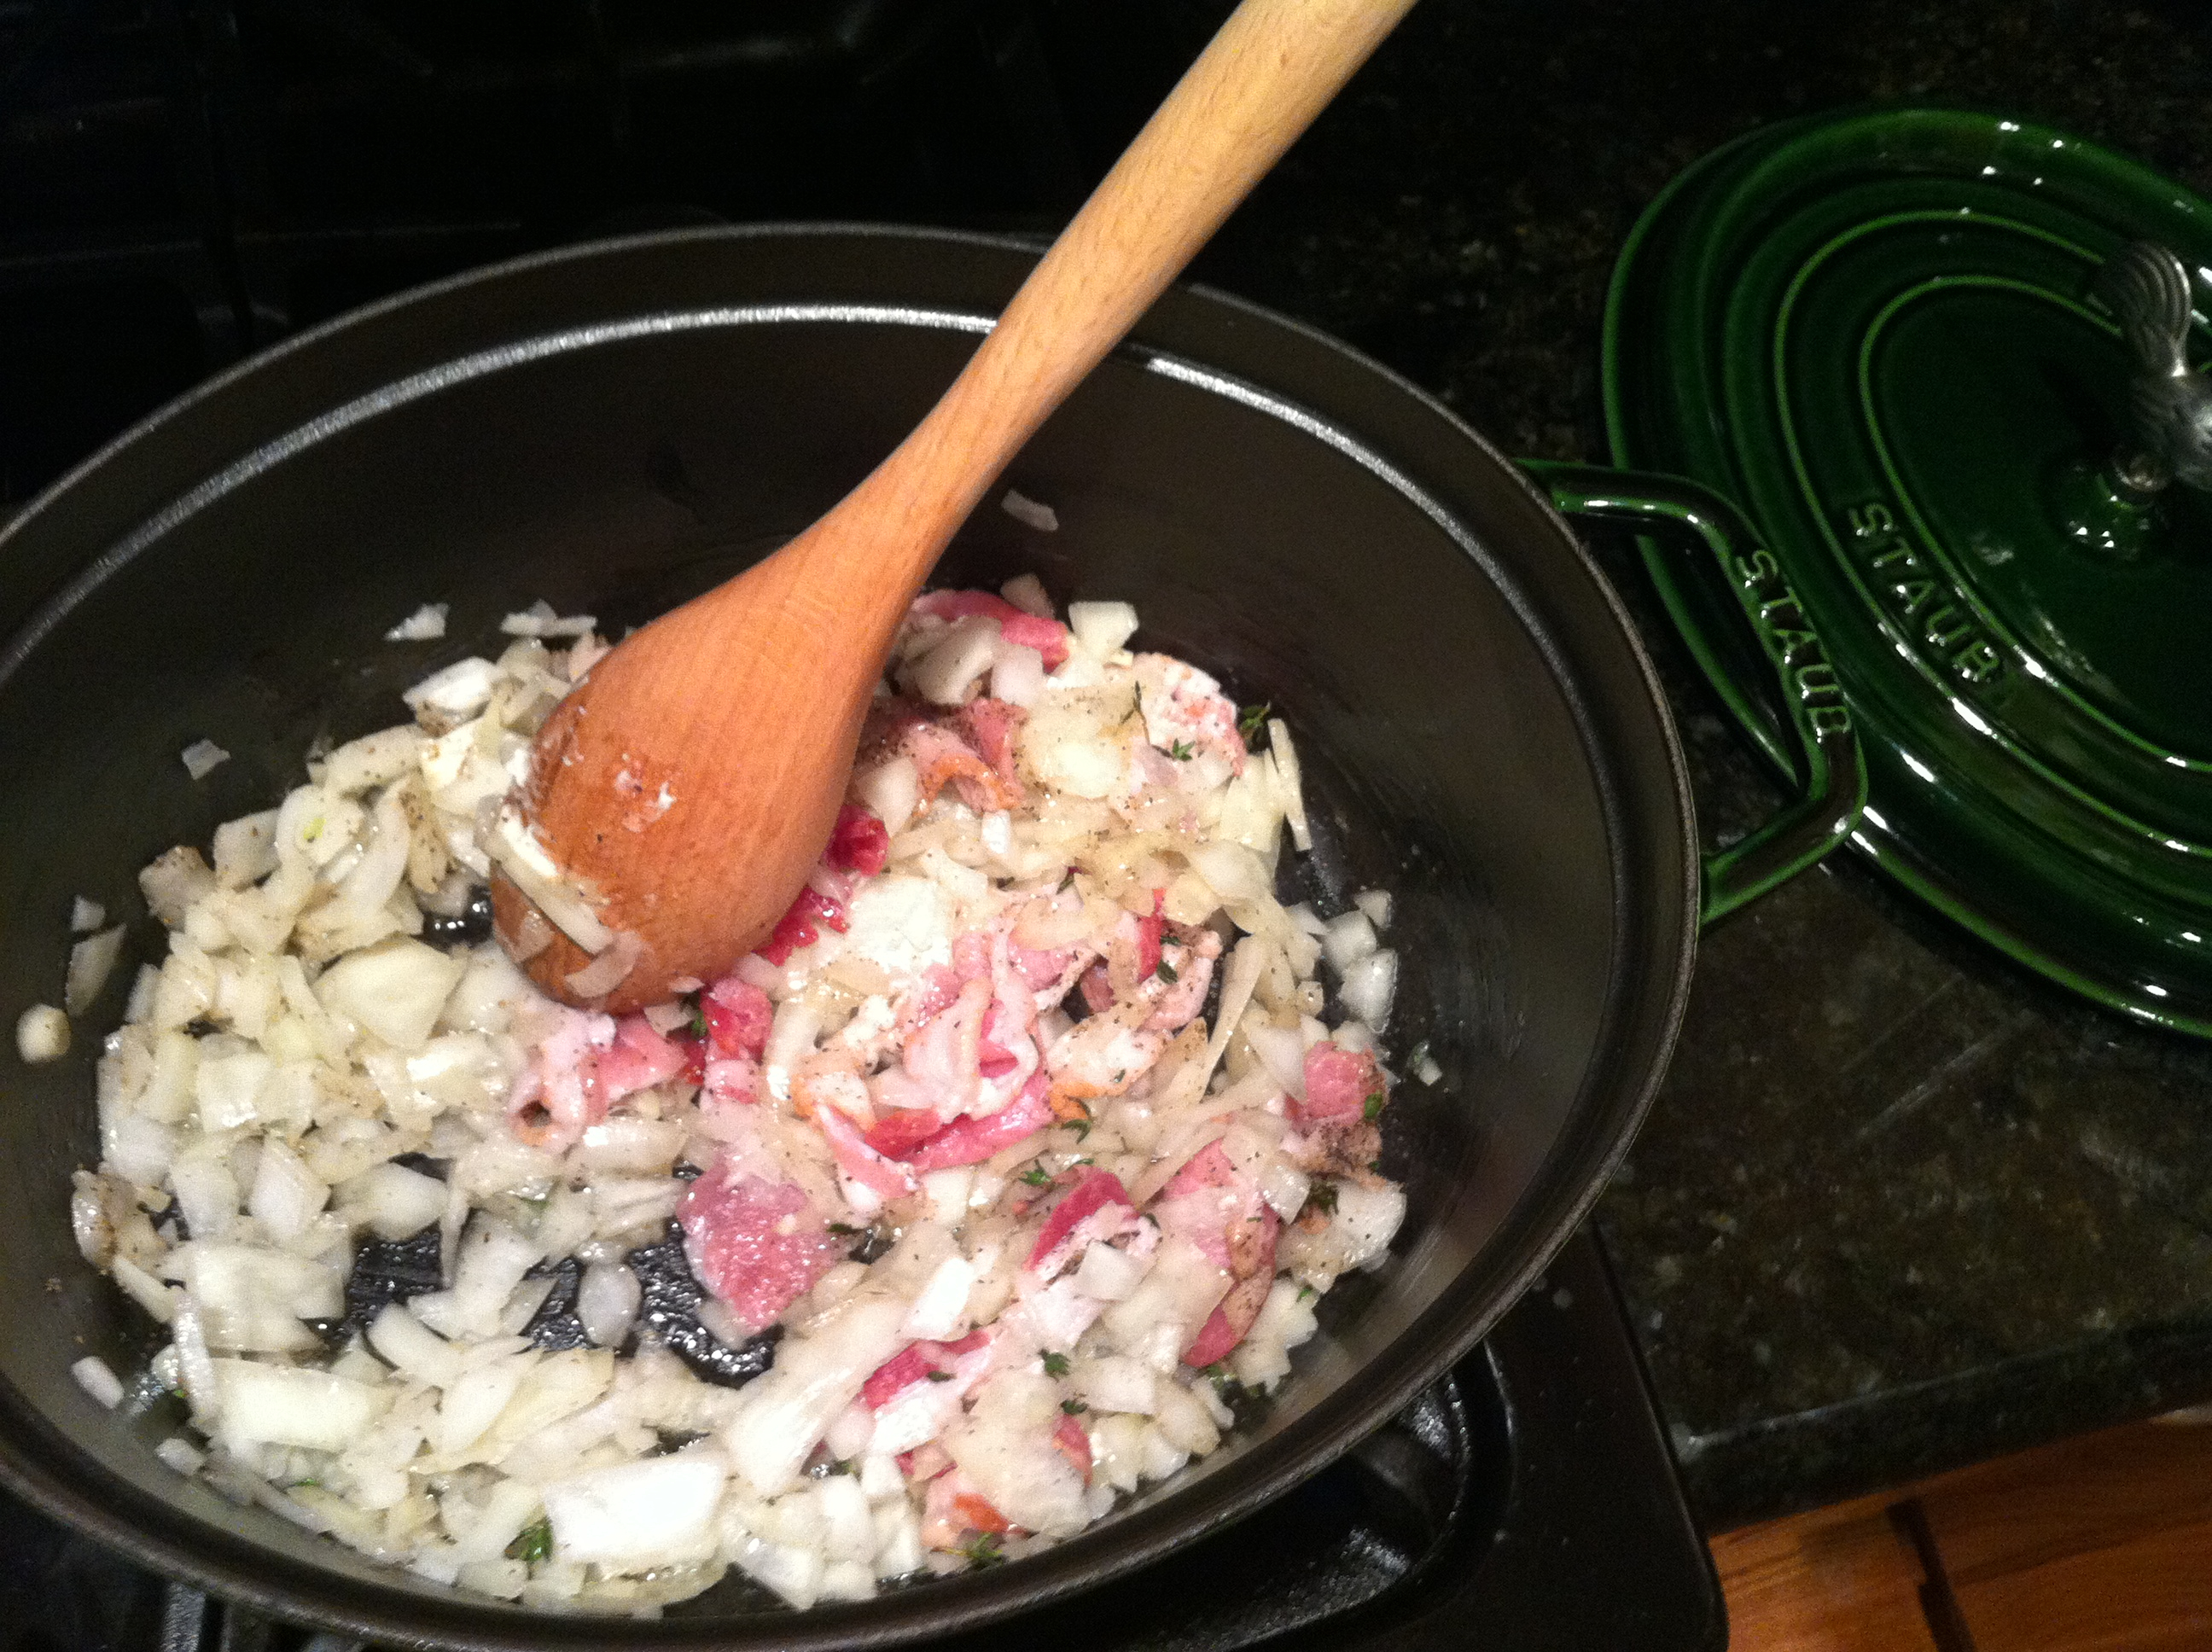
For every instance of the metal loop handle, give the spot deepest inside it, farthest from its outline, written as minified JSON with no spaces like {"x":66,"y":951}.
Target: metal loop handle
{"x":1831,"y":769}
{"x":2147,"y":290}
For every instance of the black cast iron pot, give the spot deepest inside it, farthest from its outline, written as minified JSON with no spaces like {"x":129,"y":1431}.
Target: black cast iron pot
{"x":616,"y":427}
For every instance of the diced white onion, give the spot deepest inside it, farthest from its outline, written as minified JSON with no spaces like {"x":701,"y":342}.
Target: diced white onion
{"x":892,"y":789}
{"x":1427,"y":1071}
{"x":426,"y":624}
{"x":1107,"y":1274}
{"x":1029,"y":512}
{"x":1282,"y":1052}
{"x":1290,"y":785}
{"x":1369,"y":986}
{"x":1348,"y":939}
{"x":202,"y":758}
{"x":1027,"y":593}
{"x":1376,"y":903}
{"x":91,"y":962}
{"x":85,"y":916}
{"x":969,"y":648}
{"x":609,"y":969}
{"x":1017,"y":674}
{"x":42,"y":1034}
{"x":1102,"y":628}
{"x":607,"y":1302}
{"x":93,"y":1376}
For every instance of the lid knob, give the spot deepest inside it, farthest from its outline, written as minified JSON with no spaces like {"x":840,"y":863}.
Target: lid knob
{"x":2147,"y":288}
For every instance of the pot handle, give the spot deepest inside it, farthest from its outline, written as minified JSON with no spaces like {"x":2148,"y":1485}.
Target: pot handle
{"x":1831,"y":770}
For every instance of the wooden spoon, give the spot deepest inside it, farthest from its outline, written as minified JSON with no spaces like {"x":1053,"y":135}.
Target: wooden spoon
{"x":687,"y":787}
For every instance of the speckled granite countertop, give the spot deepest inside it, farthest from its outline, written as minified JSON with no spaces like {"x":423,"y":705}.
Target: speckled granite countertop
{"x":1915,"y":1208}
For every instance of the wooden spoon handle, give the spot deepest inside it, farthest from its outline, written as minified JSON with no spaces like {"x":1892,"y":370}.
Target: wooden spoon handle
{"x":1273,"y":68}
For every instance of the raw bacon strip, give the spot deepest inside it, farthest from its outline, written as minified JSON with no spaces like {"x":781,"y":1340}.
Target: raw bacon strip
{"x":913,"y":1362}
{"x":1075,"y":1444}
{"x":898,"y":1131}
{"x":1088,"y":1196}
{"x":1339,"y":1085}
{"x":737,"y":1015}
{"x":1219,"y":1209}
{"x":801,"y":924}
{"x":883,"y":1177}
{"x":558,"y":1096}
{"x":942,"y":758}
{"x":860,"y":842}
{"x":1149,"y":928}
{"x":991,"y":727}
{"x":638,"y":1058}
{"x":971,"y":1141}
{"x":734,"y":1237}
{"x":1026,"y":630}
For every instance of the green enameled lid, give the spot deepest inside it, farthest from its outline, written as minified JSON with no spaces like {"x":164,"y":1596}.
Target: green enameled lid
{"x":1887,"y":335}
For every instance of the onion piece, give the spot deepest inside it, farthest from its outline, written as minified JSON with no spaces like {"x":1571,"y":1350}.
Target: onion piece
{"x":968,"y":649}
{"x":1030,"y":513}
{"x":1027,"y":593}
{"x":93,"y":1376}
{"x":1284,"y":756}
{"x":892,"y":789}
{"x":1369,"y":986}
{"x":1376,"y":903}
{"x":85,"y":916}
{"x":610,"y":969}
{"x":1102,"y":627}
{"x":1348,"y":939}
{"x":1282,"y":1052}
{"x":42,"y":1034}
{"x":426,"y":624}
{"x":607,"y":1302}
{"x":202,"y":758}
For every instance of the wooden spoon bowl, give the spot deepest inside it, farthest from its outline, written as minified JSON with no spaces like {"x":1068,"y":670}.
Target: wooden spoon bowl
{"x":687,"y":787}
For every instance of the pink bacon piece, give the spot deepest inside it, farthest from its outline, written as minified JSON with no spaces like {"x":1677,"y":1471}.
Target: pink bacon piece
{"x":558,"y":1096}
{"x":639,"y":1059}
{"x":886,"y":1178}
{"x":914,"y":1363}
{"x":1024,"y":629}
{"x":859,"y":841}
{"x":990,"y":728}
{"x":737,"y":1015}
{"x":971,"y":1141}
{"x":1096,"y":1207}
{"x":1340,"y":1084}
{"x":736,"y":1239}
{"x":1219,"y":1209}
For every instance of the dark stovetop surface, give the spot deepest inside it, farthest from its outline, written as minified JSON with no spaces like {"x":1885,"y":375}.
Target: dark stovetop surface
{"x":1900,"y":1205}
{"x":1913,"y":1209}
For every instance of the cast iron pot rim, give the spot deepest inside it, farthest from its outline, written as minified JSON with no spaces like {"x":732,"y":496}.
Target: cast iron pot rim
{"x":1434,"y":1340}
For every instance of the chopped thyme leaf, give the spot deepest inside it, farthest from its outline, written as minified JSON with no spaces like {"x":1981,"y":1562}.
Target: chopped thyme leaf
{"x":1073,"y":1407}
{"x":1373,"y":1107}
{"x":1081,"y":1126}
{"x":1181,"y":751}
{"x":1307,"y":1293}
{"x":1036,"y":1176}
{"x":533,"y":1544}
{"x":984,"y":1551}
{"x":1322,"y":1196}
{"x":941,"y":1376}
{"x":1253,"y":721}
{"x":1056,"y":1364}
{"x":1165,"y":971}
{"x":843,"y":1229}
{"x":698,"y":1021}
